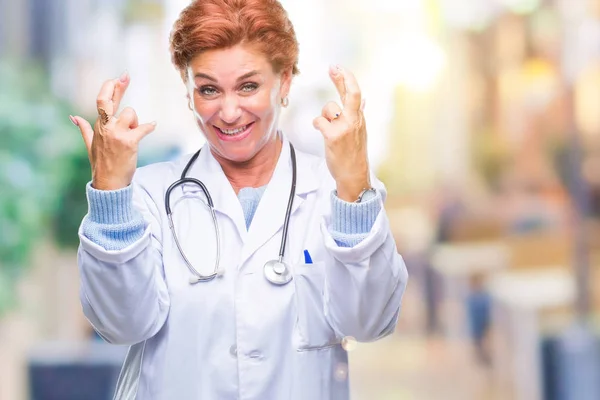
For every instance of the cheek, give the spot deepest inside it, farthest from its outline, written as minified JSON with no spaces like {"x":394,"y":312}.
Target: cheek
{"x":205,"y":110}
{"x":263,"y":104}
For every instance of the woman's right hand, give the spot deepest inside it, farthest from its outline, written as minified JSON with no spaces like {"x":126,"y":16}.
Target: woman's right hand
{"x":112,"y":144}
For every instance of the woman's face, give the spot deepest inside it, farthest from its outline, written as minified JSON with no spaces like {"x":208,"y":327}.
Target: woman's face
{"x":236,"y":99}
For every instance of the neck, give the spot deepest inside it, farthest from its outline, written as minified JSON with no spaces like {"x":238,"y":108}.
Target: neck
{"x":255,"y":172}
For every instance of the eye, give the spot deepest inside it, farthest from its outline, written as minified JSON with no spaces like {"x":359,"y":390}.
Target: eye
{"x":207,"y":91}
{"x":249,"y":87}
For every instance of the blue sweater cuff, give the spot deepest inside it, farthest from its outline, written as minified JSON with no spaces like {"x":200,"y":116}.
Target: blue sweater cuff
{"x":352,"y":222}
{"x":110,"y":206}
{"x":112,"y":222}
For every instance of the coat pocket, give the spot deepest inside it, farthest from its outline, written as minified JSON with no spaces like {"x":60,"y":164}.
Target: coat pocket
{"x":315,"y":332}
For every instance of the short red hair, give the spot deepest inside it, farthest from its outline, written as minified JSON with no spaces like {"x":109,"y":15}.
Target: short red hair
{"x":218,"y":24}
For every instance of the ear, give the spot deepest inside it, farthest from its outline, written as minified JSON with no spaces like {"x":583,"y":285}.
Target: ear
{"x":286,"y":82}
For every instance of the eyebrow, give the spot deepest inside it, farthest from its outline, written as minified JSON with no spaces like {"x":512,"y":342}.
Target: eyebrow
{"x":210,"y":78}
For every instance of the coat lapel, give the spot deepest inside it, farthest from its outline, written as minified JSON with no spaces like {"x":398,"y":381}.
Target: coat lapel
{"x":270,"y":215}
{"x":208,"y":170}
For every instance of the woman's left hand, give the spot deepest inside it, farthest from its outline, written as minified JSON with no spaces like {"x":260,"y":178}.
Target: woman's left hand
{"x":345,"y":134}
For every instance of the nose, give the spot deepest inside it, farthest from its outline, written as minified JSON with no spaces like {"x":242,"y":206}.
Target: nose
{"x":230,"y":110}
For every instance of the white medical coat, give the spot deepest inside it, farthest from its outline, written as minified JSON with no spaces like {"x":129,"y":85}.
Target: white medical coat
{"x":239,"y":336}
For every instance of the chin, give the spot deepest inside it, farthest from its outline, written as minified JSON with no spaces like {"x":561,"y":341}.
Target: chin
{"x":236,"y":153}
{"x":238,"y":156}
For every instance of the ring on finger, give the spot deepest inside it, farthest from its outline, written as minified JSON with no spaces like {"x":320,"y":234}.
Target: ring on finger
{"x":332,"y":114}
{"x":104,"y":118}
{"x":331,"y":111}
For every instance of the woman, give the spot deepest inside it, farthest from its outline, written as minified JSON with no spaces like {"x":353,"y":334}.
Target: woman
{"x":260,"y":330}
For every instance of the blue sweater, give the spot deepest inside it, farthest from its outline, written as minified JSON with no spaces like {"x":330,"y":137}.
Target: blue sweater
{"x":113,"y":223}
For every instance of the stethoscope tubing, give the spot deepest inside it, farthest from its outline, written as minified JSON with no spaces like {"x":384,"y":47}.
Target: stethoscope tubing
{"x":288,"y":211}
{"x":198,"y":277}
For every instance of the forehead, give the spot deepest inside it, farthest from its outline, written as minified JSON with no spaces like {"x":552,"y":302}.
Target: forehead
{"x":230,"y":62}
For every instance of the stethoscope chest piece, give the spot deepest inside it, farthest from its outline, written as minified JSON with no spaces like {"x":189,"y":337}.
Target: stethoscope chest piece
{"x":277,"y":272}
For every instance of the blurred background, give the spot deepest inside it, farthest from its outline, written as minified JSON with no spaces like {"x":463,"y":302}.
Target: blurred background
{"x":484,"y":123}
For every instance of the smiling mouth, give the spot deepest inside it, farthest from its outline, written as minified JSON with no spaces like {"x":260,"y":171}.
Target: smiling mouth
{"x":233,"y":132}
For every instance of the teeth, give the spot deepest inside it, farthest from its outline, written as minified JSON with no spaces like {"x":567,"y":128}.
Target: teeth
{"x":233,"y":131}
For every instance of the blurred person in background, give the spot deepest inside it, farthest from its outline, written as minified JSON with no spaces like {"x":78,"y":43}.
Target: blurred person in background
{"x":527,"y":205}
{"x":189,"y":292}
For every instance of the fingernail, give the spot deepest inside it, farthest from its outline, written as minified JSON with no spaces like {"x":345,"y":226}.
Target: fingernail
{"x":362,"y":105}
{"x":153,"y":123}
{"x":334,"y":69}
{"x":123,"y":77}
{"x":73,"y":120}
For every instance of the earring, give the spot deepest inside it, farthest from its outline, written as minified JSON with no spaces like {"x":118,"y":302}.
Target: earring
{"x":285,"y":102}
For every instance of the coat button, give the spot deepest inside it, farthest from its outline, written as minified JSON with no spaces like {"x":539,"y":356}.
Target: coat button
{"x":233,"y":350}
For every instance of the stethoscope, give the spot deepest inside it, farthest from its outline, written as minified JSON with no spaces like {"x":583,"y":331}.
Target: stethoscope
{"x":277,"y":271}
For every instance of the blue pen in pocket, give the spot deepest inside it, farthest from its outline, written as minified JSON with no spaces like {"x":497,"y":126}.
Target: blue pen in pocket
{"x":307,"y":259}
